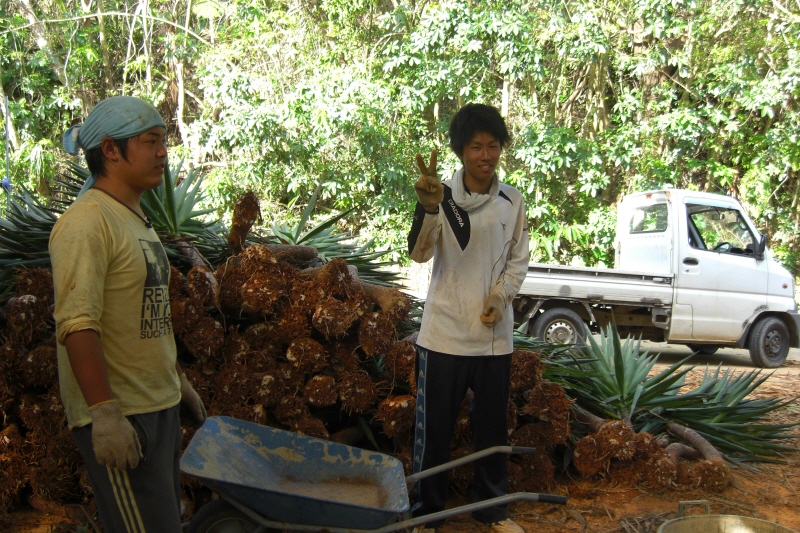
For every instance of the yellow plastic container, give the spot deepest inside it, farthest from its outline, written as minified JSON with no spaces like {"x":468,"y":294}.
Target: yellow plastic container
{"x":720,"y":523}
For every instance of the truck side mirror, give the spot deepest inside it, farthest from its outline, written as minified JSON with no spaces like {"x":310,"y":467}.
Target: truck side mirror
{"x":761,"y":248}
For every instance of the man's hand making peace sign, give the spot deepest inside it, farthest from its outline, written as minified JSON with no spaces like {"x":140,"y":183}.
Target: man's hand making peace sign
{"x":430,"y":191}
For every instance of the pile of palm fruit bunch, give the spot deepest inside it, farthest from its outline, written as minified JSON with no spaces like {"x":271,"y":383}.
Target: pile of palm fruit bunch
{"x":301,"y":330}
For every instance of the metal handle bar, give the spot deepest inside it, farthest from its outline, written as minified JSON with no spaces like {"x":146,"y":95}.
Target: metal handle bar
{"x":468,"y":459}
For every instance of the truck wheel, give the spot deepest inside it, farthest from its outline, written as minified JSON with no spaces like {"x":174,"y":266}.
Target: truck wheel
{"x":219,"y":516}
{"x":769,"y":343}
{"x":560,"y":326}
{"x":705,"y":349}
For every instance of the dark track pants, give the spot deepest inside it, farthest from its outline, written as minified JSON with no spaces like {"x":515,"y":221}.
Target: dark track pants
{"x":145,"y":499}
{"x":442,"y":382}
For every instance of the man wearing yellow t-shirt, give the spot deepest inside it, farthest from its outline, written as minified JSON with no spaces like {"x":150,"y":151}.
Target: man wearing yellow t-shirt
{"x":120,"y":381}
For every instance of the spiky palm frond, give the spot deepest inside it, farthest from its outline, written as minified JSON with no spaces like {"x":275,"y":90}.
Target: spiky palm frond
{"x":615,"y":382}
{"x":24,"y":237}
{"x":330,"y":243}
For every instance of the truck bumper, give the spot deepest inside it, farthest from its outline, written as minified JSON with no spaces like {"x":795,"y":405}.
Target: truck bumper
{"x":794,"y":315}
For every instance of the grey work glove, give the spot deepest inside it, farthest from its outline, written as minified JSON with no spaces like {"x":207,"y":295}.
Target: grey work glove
{"x":429,"y":189}
{"x":493,"y":309}
{"x":114,"y":440}
{"x":192,"y":402}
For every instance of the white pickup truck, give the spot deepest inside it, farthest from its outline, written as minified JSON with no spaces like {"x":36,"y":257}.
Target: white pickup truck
{"x":690,"y":268}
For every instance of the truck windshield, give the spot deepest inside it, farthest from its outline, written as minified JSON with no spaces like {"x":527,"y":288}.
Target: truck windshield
{"x":719,"y":229}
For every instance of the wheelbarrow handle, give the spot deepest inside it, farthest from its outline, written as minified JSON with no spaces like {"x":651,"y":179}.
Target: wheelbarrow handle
{"x":552,"y":498}
{"x":467,"y":459}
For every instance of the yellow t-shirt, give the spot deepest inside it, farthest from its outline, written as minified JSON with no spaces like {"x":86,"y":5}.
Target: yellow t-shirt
{"x":111,"y":275}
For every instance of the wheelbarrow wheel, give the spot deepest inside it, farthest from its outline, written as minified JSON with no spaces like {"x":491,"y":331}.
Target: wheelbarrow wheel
{"x":219,"y":516}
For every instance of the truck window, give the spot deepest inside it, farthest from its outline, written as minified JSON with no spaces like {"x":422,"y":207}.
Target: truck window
{"x":719,"y":229}
{"x":650,"y":219}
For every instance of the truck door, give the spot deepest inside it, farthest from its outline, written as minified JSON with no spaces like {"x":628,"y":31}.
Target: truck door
{"x":717,"y":273}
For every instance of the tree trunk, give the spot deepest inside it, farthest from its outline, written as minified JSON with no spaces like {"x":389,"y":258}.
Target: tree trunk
{"x":107,"y":80}
{"x":42,"y":41}
{"x":12,"y":133}
{"x":698,"y":442}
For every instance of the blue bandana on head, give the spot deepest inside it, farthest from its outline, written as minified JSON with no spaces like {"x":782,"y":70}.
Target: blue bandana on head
{"x":119,"y":117}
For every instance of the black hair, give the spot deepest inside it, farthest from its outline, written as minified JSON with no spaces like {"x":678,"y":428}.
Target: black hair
{"x":476,"y":118}
{"x":96,"y":161}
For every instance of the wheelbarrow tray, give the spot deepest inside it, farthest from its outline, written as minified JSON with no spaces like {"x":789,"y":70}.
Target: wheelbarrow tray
{"x":288,"y":477}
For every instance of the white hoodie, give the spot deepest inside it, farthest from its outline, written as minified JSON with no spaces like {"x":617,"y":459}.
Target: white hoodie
{"x":479,"y":245}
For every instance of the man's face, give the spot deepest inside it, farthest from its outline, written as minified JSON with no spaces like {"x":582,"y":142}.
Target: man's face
{"x":147,"y":157}
{"x":480,"y":157}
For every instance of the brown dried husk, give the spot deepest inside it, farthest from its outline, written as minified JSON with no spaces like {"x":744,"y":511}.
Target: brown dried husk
{"x":306,"y":294}
{"x":526,"y":370}
{"x":548,"y":402}
{"x":397,"y":414}
{"x":37,"y":282}
{"x":290,"y":377}
{"x":43,"y":413}
{"x":14,"y":470}
{"x":201,"y":284}
{"x":399,"y":360}
{"x":54,"y":472}
{"x":333,"y":318}
{"x":175,"y":284}
{"x":589,"y":459}
{"x":511,"y":416}
{"x":290,"y":409}
{"x":292,"y":322}
{"x":230,"y":278}
{"x":261,"y":293}
{"x":321,"y":391}
{"x":186,"y":313}
{"x":335,"y":279}
{"x":263,"y":336}
{"x":256,"y":258}
{"x":375,"y":333}
{"x":266,"y":388}
{"x":357,"y":392}
{"x":235,"y":346}
{"x":11,"y":355}
{"x":532,"y":473}
{"x":308,"y":425}
{"x":39,"y":367}
{"x":710,"y":475}
{"x":660,"y":472}
{"x":393,"y":304}
{"x":205,"y":339}
{"x":231,"y":387}
{"x":405,"y":456}
{"x":344,"y":358}
{"x":28,"y":319}
{"x":307,"y":355}
{"x":617,"y":439}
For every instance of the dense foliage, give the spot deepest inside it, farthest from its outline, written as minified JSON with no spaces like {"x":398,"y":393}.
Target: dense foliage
{"x":603,"y":98}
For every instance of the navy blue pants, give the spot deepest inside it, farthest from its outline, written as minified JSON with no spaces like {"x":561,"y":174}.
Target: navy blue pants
{"x":145,"y":499}
{"x":442,"y":383}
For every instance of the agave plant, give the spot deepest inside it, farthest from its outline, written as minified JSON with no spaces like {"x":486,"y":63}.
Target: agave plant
{"x":615,"y":382}
{"x":24,"y":237}
{"x":330,"y":243}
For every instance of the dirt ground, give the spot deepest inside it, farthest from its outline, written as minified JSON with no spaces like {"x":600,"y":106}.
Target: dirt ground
{"x":769,"y":494}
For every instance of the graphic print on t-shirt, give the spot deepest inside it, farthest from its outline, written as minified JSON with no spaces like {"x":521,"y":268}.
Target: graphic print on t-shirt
{"x":156,"y":319}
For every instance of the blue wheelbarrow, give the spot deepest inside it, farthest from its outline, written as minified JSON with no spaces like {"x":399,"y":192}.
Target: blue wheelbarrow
{"x":268,"y":478}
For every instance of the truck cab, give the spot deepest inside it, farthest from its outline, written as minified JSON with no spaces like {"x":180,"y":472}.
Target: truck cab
{"x":707,"y":279}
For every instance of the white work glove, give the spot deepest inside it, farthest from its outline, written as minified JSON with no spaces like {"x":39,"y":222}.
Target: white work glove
{"x":192,"y":402}
{"x":493,"y":309}
{"x":429,"y":189}
{"x":114,"y":440}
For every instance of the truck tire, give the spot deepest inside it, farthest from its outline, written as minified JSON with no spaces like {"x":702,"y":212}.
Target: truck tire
{"x":219,"y":516}
{"x":560,"y":326}
{"x":769,"y":342}
{"x":705,"y":349}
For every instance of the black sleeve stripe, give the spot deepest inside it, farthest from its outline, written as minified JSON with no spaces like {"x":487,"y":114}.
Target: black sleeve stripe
{"x":501,"y":194}
{"x":416,"y":226}
{"x":457,"y":218}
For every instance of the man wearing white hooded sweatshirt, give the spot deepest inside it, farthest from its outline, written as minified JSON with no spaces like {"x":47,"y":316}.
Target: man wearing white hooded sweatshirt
{"x":476,"y":231}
